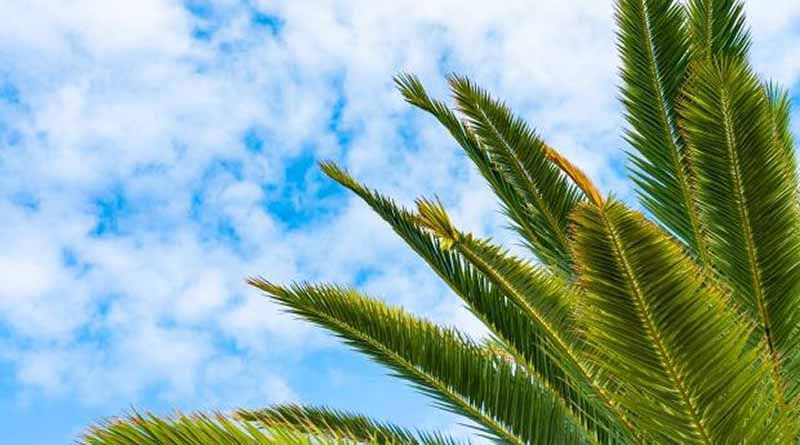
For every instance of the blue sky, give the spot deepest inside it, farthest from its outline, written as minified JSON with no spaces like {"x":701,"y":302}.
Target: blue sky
{"x":153,"y":154}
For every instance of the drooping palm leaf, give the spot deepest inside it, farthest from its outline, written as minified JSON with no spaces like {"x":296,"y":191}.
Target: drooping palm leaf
{"x":779,"y":117}
{"x":520,"y":156}
{"x":674,"y":343}
{"x":196,"y":429}
{"x":503,"y":400}
{"x":541,"y":297}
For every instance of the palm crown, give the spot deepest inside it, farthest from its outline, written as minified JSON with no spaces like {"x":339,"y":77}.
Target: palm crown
{"x":677,"y":328}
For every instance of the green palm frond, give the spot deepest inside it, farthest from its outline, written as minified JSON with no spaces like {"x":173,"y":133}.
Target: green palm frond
{"x":196,"y":429}
{"x":520,"y":336}
{"x":779,"y":112}
{"x":503,"y":400}
{"x":749,"y":206}
{"x":521,"y":157}
{"x":654,"y":48}
{"x":679,"y":350}
{"x":511,"y":175}
{"x":717,"y":28}
{"x":330,"y":423}
{"x":543,"y":298}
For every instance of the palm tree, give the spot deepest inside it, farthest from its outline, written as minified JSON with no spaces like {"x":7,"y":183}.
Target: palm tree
{"x":676,"y":327}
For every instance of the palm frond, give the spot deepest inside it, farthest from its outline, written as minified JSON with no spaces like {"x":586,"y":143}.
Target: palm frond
{"x":441,"y":362}
{"x":517,"y":176}
{"x":543,"y":298}
{"x":779,"y":112}
{"x":749,"y":207}
{"x":195,"y":429}
{"x":520,"y":336}
{"x":654,"y":47}
{"x":522,"y":158}
{"x":679,"y":350}
{"x":330,"y":423}
{"x":717,"y":29}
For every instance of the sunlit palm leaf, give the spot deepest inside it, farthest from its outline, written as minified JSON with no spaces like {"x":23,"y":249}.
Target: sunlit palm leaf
{"x":520,"y":156}
{"x":196,"y":429}
{"x":654,"y":47}
{"x":544,"y":299}
{"x":717,"y":28}
{"x":675,"y":344}
{"x":543,"y":228}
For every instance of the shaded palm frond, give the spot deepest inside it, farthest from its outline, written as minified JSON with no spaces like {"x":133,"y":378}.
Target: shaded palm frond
{"x":779,"y":112}
{"x":717,"y":28}
{"x":543,"y":298}
{"x":654,"y":46}
{"x":522,"y":158}
{"x":194,"y":429}
{"x":514,"y":161}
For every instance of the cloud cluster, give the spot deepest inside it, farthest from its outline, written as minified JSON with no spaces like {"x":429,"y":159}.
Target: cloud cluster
{"x":153,"y":154}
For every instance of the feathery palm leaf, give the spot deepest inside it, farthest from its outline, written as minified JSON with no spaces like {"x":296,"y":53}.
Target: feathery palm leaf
{"x":521,"y":157}
{"x":516,"y":170}
{"x":654,"y":47}
{"x":679,"y":349}
{"x":198,"y":429}
{"x":778,"y":115}
{"x":324,"y":422}
{"x":282,"y":425}
{"x":443,"y":363}
{"x":542,"y":298}
{"x":749,"y":205}
{"x":717,"y":28}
